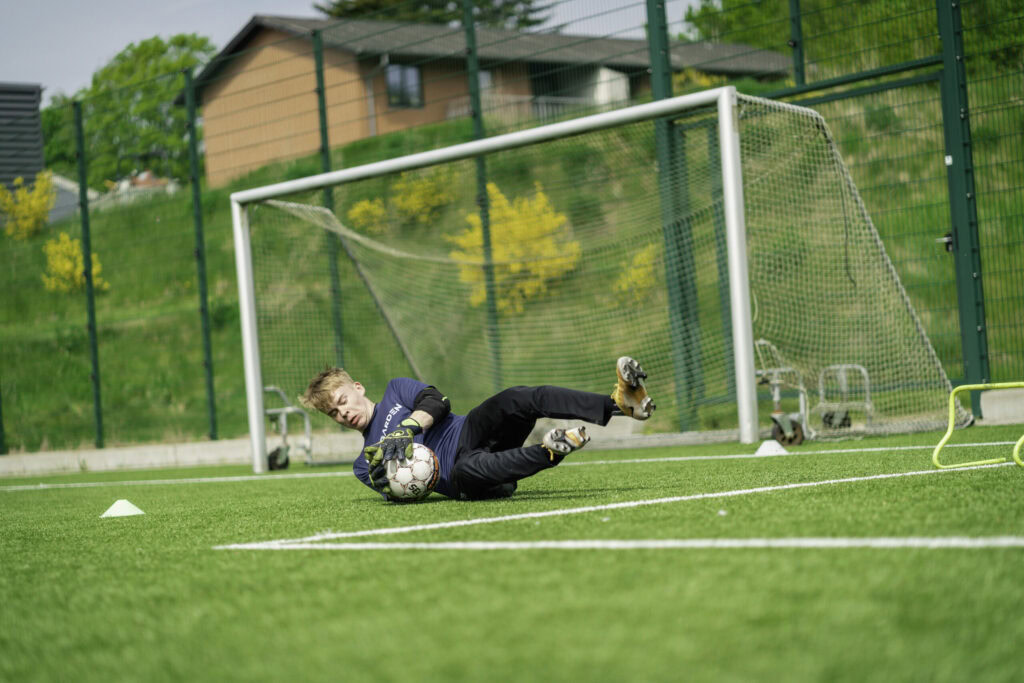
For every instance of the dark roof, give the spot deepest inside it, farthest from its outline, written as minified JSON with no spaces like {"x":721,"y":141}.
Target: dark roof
{"x":21,"y":132}
{"x":398,"y":39}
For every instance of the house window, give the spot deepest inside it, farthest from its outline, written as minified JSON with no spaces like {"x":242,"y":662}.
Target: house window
{"x":405,"y":86}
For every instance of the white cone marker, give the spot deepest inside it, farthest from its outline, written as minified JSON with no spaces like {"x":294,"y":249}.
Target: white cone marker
{"x":771,"y":447}
{"x":122,"y":508}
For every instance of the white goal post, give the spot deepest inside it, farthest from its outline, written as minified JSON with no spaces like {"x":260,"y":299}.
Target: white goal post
{"x":785,"y":259}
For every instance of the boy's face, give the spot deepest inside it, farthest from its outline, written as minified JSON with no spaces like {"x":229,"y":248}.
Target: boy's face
{"x":349,"y":406}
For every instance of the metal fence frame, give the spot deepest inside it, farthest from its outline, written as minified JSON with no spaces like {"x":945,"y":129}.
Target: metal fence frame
{"x":946,"y":67}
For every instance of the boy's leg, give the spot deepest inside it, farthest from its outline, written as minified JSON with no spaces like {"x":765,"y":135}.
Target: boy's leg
{"x":491,"y":451}
{"x":505,"y":420}
{"x":493,"y":474}
{"x":478,"y":472}
{"x":489,"y":493}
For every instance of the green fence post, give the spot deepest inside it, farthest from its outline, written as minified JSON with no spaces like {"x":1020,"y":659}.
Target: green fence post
{"x":796,"y":41}
{"x":681,"y":237}
{"x":83,"y":204}
{"x":3,"y":443}
{"x":328,"y":200}
{"x":675,"y":229}
{"x":962,"y":199}
{"x":200,"y":252}
{"x":473,"y":75}
{"x":721,"y":258}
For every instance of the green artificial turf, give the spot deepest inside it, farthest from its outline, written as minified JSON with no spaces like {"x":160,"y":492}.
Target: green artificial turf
{"x":149,"y":598}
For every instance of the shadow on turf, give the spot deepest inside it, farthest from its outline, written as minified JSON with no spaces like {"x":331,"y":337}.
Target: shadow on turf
{"x":536,"y":494}
{"x":434,"y":498}
{"x":571,"y":494}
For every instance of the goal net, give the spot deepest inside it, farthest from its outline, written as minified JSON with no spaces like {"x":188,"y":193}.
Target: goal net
{"x":599,"y":237}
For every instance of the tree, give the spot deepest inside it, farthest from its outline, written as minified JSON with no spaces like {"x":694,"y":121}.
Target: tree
{"x":842,"y":37}
{"x":130,"y":119}
{"x":835,"y":37}
{"x":59,"y":136}
{"x":514,"y":14}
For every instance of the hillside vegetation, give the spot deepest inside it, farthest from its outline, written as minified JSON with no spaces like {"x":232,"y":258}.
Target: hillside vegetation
{"x":150,"y":350}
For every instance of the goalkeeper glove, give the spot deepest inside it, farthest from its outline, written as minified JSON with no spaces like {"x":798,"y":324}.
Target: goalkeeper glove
{"x":378,"y":471}
{"x":398,"y":444}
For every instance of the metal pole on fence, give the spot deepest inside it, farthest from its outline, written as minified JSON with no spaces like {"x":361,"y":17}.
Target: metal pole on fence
{"x":328,"y":200}
{"x":679,"y":270}
{"x":722,"y":257}
{"x":796,"y":41}
{"x":473,"y":75}
{"x":3,"y":443}
{"x":83,"y":204}
{"x":200,"y":252}
{"x":956,"y":124}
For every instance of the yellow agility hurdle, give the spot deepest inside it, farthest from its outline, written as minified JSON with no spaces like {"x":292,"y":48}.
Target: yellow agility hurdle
{"x":952,"y":423}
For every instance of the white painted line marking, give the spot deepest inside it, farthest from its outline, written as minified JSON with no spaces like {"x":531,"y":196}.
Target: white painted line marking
{"x":749,"y":456}
{"x":271,"y":545}
{"x":195,"y":480}
{"x":620,"y":461}
{"x":937,"y":542}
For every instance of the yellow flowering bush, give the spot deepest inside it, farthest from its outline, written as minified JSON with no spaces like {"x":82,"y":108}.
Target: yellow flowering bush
{"x":692,"y":79}
{"x":25,"y":210}
{"x":65,"y":266}
{"x":420,"y":199}
{"x":416,"y":200}
{"x":368,"y":216}
{"x":639,"y":277}
{"x":531,"y":244}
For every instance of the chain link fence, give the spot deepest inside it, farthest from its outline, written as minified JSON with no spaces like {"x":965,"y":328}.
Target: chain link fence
{"x":141,"y":342}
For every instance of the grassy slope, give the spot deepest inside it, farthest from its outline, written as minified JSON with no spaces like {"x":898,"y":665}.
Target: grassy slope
{"x":151,"y":359}
{"x":150,"y":343}
{"x":146,"y":598}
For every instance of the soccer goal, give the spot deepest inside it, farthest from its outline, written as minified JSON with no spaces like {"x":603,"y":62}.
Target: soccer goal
{"x":678,"y":231}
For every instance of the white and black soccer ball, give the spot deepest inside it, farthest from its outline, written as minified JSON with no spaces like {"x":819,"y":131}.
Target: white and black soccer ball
{"x":413,"y":478}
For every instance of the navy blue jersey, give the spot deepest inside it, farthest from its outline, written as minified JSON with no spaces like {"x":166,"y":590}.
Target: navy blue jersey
{"x":395,"y":406}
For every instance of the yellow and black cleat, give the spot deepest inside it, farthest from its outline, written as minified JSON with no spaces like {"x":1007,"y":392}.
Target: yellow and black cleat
{"x":565,"y":441}
{"x":630,"y":394}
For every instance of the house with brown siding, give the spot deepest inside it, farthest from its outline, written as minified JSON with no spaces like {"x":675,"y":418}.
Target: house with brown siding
{"x":260,"y":104}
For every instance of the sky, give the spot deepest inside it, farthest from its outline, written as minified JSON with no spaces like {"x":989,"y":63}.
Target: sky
{"x":60,"y":43}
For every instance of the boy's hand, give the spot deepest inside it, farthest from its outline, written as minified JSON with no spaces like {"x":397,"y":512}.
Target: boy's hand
{"x":379,"y":479}
{"x":378,"y":471}
{"x":373,"y":455}
{"x":398,"y":444}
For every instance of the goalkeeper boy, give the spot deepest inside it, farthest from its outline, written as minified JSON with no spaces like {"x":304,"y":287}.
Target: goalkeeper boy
{"x":481,"y":454}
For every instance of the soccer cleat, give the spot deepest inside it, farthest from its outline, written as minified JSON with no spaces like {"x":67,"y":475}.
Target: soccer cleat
{"x":565,"y":441}
{"x":630,"y":394}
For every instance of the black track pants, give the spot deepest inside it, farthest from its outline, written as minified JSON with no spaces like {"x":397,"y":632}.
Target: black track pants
{"x":491,"y":457}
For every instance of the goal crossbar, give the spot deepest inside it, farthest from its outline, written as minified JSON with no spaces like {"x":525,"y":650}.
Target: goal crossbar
{"x":522,"y":138}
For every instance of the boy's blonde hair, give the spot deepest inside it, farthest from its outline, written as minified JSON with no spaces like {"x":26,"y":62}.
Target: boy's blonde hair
{"x":318,"y":393}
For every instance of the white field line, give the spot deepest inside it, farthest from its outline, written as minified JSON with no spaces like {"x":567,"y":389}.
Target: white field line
{"x":744,"y":456}
{"x":934,"y":542}
{"x":312,"y":475}
{"x":326,"y":536}
{"x":194,"y":480}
